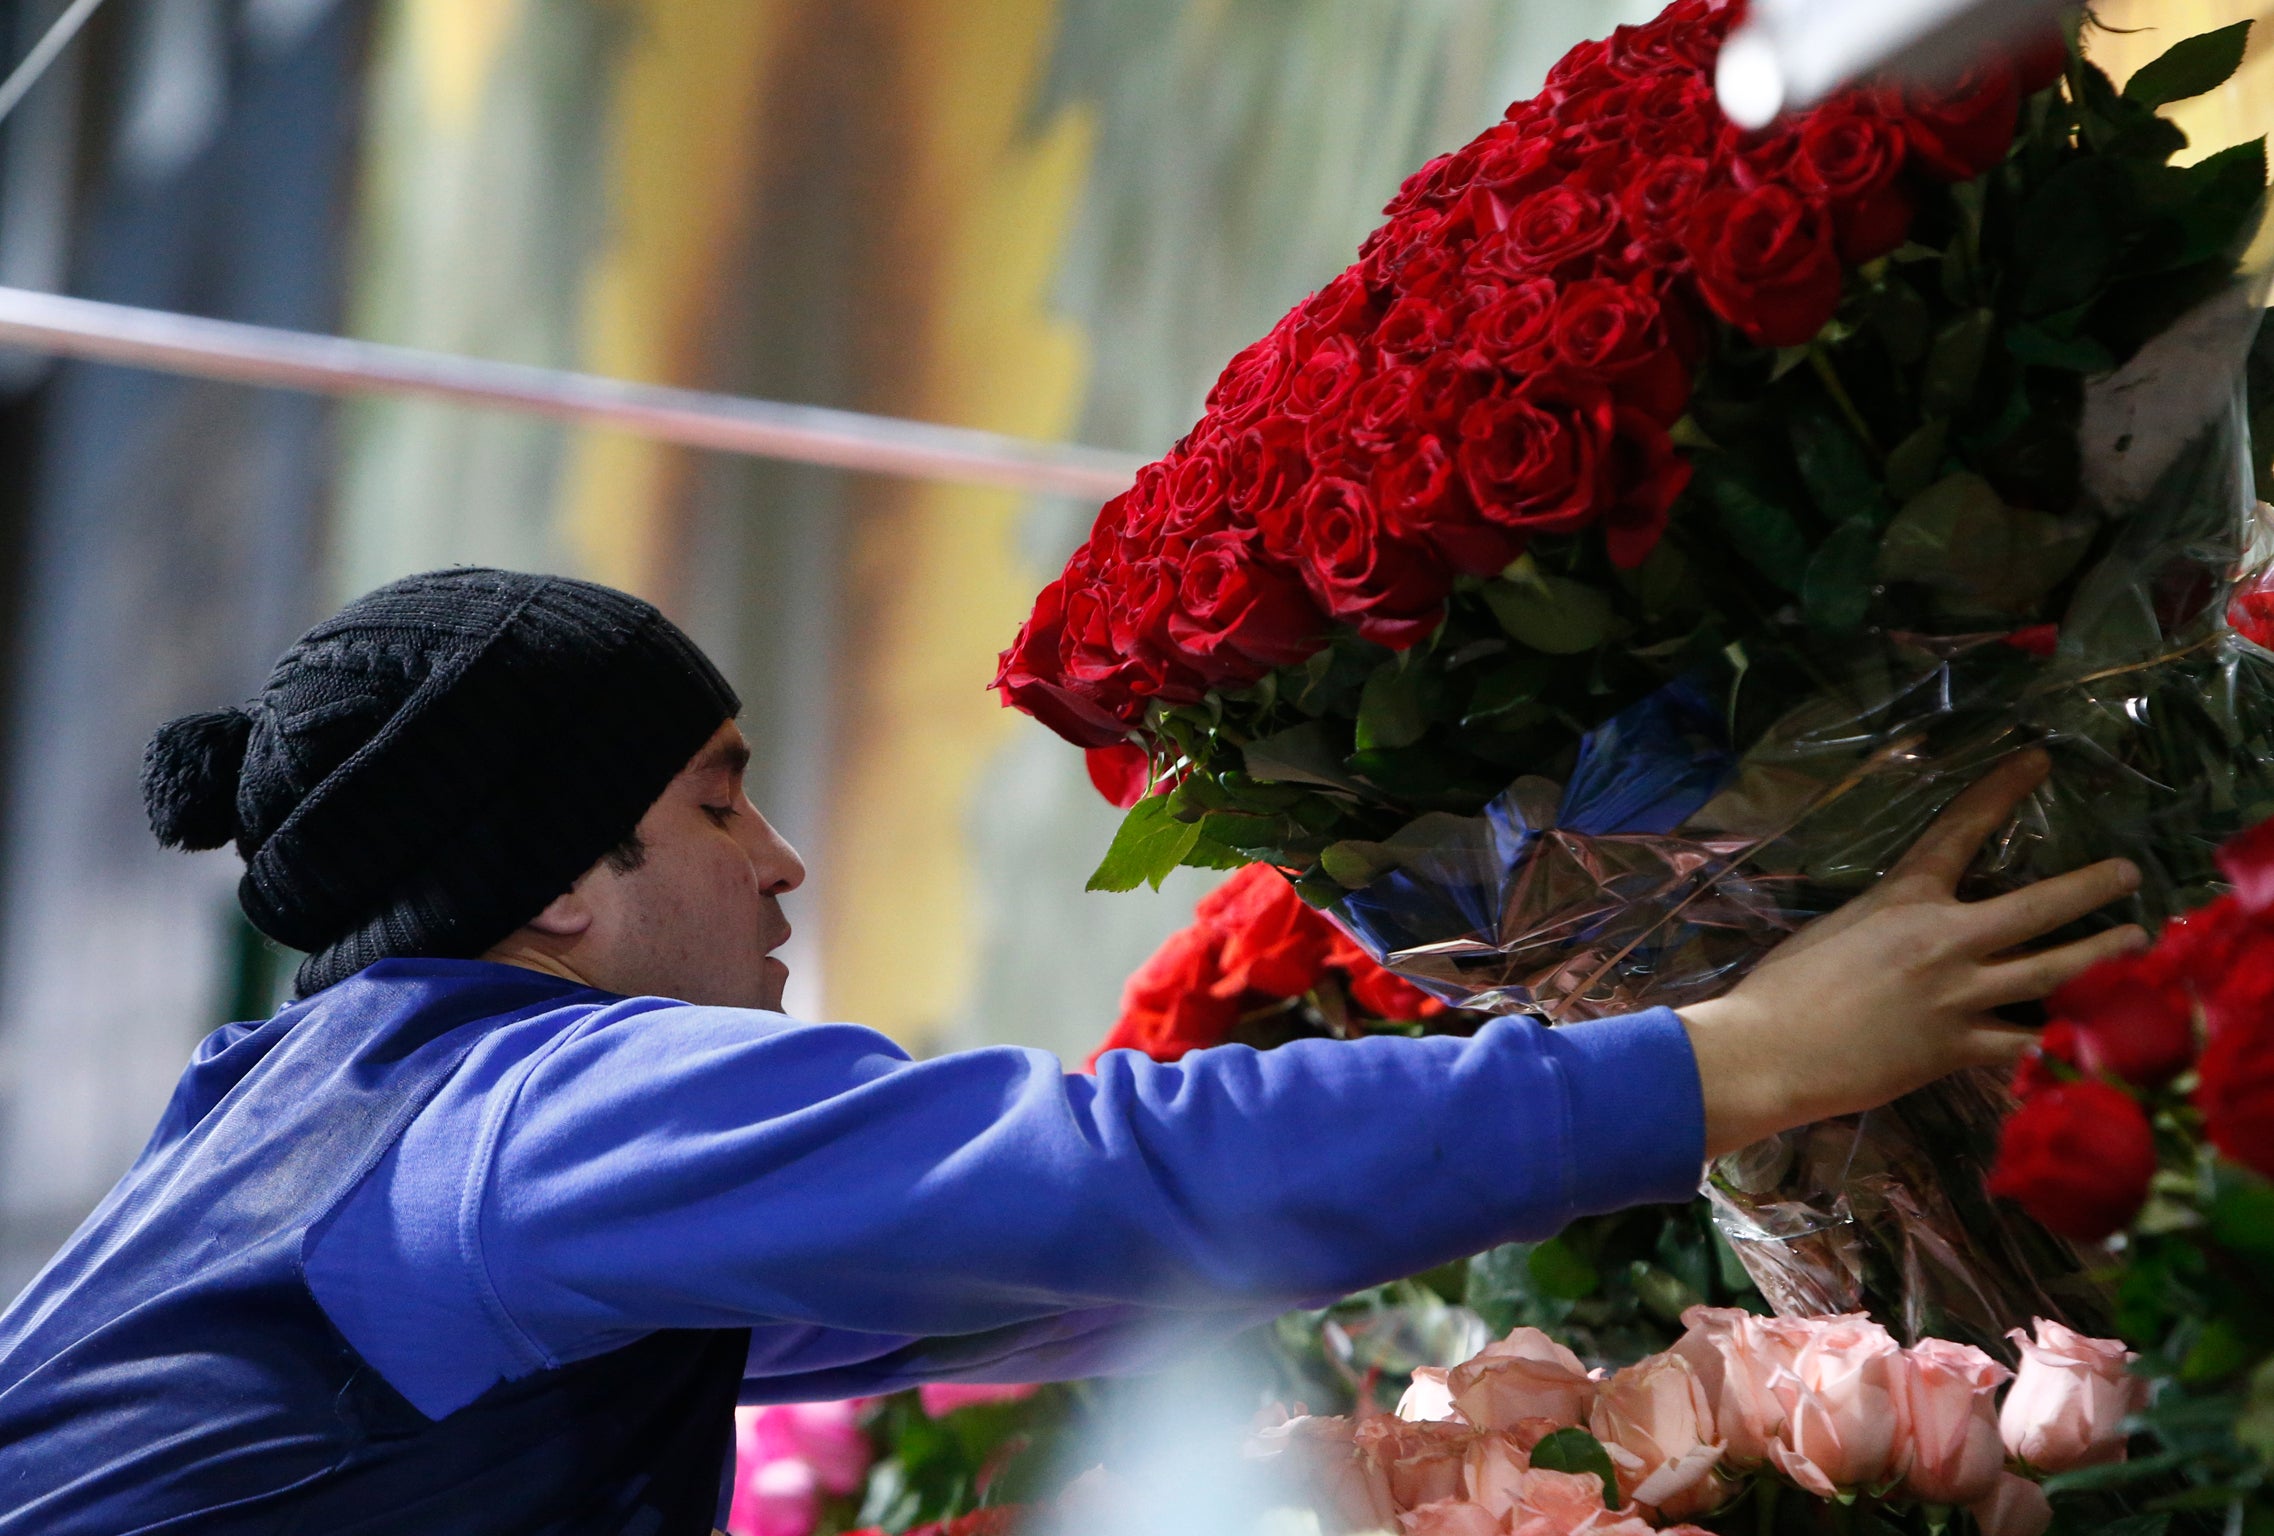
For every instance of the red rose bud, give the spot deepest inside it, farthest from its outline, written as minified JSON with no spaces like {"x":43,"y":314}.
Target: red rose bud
{"x":2236,"y":1091}
{"x":1385,"y":995}
{"x":2130,"y":1021}
{"x":1122,"y":772}
{"x":1963,"y":130}
{"x":1766,"y":262}
{"x":2078,"y":1157}
{"x":2040,"y":61}
{"x":2035,"y":639}
{"x":2248,"y":863}
{"x":2251,"y":615}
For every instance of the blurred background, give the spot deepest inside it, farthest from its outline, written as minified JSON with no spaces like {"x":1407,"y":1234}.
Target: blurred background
{"x":1051,"y":218}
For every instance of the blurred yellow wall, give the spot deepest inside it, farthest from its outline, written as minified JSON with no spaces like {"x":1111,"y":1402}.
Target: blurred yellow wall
{"x":934,"y":586}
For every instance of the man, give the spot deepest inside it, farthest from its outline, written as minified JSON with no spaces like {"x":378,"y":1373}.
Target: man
{"x":488,"y":1231}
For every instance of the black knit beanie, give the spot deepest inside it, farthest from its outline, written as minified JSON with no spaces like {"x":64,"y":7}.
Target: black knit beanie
{"x":425,"y":771}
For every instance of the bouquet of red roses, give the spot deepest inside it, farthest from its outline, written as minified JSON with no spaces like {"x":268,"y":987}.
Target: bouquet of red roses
{"x":1628,"y":555}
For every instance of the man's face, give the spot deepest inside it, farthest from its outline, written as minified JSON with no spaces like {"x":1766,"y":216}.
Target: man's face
{"x":700,"y":917}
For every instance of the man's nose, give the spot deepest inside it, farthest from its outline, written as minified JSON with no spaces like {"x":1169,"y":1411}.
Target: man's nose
{"x":780,"y":870}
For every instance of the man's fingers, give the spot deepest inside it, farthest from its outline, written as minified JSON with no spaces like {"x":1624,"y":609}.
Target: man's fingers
{"x":2002,"y":922}
{"x":1992,"y":1044}
{"x":1945,"y":849}
{"x":2030,"y":977}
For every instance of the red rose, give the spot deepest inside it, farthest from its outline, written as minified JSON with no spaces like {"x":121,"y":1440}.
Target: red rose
{"x":1513,"y":331}
{"x":1032,"y":678}
{"x":1344,"y":307}
{"x":1963,"y":130}
{"x":1390,"y":588}
{"x":1766,"y":262}
{"x":1385,"y":410}
{"x":1121,"y":773}
{"x":1419,"y":490}
{"x":1251,"y":382}
{"x":1549,"y":234}
{"x":1586,"y":68}
{"x":2040,"y":61}
{"x":1414,"y":328}
{"x":1647,"y":477}
{"x":2251,"y":615}
{"x":1269,"y":939}
{"x":1195,"y":498}
{"x":2052,"y":1060}
{"x":2236,"y":1090}
{"x":2131,"y":1021}
{"x":1615,"y":333}
{"x":1656,"y":205}
{"x":1534,"y":455}
{"x":1672,"y":113}
{"x":1265,"y":467}
{"x":2247,"y":860}
{"x":2078,"y":1157}
{"x":1851,"y":158}
{"x":1388,"y":996}
{"x":1238,"y":616}
{"x":1168,"y":1007}
{"x":2034,"y":639}
{"x":1325,"y":379}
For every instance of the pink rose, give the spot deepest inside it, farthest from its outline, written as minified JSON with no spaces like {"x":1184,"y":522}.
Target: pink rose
{"x":1421,"y":1461}
{"x":940,"y":1398}
{"x":776,"y":1498}
{"x":2068,"y":1405}
{"x":1735,"y":1359}
{"x":1452,"y":1517}
{"x":1656,"y":1422}
{"x":1839,"y":1401}
{"x":1525,"y":1376}
{"x":1567,"y":1502}
{"x":2015,"y":1507}
{"x":1322,"y":1457}
{"x":1496,"y":1466}
{"x":1946,"y":1405}
{"x":1428,"y":1400}
{"x":825,"y":1436}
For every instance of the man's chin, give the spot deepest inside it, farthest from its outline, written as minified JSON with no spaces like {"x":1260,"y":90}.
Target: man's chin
{"x":774,"y":978}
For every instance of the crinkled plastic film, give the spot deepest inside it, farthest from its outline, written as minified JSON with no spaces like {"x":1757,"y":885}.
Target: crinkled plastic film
{"x":1671,"y":861}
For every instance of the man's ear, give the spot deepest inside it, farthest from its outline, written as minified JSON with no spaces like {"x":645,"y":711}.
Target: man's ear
{"x":565,"y":916}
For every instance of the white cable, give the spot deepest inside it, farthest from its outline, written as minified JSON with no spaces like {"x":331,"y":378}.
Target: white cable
{"x":24,"y":76}
{"x":334,"y":365}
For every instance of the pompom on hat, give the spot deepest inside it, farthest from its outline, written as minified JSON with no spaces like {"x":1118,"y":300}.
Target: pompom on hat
{"x":424,"y":771}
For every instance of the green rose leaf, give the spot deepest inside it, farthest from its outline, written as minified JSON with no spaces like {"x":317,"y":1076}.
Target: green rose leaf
{"x":1151,"y":842}
{"x":1954,"y":363}
{"x":1302,"y":755}
{"x":1833,"y":463}
{"x":1575,"y":1450}
{"x":1390,"y":711}
{"x":2189,"y":68}
{"x":1553,"y":614}
{"x":2227,"y":188}
{"x":1836,"y":592}
{"x":1916,"y":461}
{"x":1762,"y":532}
{"x":1561,"y":1271}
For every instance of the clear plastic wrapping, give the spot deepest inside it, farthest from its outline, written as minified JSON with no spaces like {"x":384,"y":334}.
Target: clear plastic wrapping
{"x":1672,"y":858}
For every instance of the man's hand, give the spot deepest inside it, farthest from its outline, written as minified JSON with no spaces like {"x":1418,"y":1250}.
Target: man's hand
{"x":1895,"y":989}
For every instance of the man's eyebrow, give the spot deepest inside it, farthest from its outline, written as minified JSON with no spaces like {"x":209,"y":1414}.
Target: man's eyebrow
{"x":733,"y":756}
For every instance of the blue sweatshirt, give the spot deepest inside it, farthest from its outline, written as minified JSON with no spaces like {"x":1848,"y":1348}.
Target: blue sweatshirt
{"x":599,"y":1168}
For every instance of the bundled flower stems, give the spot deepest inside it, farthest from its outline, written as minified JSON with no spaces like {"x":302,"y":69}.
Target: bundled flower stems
{"x":1659,"y":523}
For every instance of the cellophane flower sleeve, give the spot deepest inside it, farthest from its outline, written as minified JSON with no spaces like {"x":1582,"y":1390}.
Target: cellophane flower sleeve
{"x":1671,"y":860}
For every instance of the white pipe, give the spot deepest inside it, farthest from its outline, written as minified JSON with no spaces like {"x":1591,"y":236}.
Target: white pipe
{"x":1790,"y":54}
{"x":333,"y":365}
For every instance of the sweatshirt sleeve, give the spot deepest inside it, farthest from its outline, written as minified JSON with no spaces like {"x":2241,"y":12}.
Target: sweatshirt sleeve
{"x":670,"y":1166}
